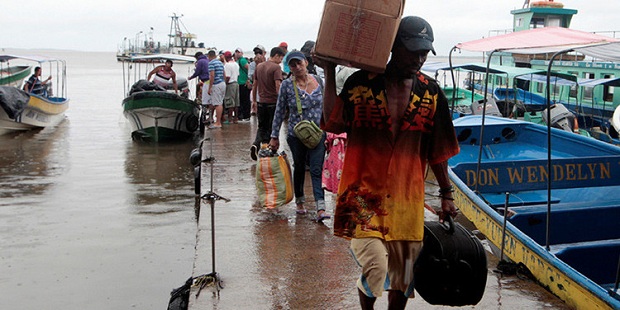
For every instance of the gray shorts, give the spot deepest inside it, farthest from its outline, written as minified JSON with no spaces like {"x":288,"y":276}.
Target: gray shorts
{"x":217,"y":94}
{"x":231,"y":100}
{"x":205,"y":93}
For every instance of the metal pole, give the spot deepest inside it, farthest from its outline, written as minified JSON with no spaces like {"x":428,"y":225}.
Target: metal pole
{"x":617,"y":277}
{"x":212,"y":209}
{"x":454,"y":88}
{"x":501,"y":258}
{"x":484,"y":108}
{"x":549,"y":174}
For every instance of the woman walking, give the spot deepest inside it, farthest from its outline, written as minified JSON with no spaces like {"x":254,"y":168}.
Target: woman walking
{"x":306,"y":90}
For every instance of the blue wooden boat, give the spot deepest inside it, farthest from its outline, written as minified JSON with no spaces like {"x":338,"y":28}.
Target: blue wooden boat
{"x":594,"y":113}
{"x":561,"y":216}
{"x":524,"y":100}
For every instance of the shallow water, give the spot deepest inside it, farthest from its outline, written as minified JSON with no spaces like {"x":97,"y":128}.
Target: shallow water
{"x":89,"y":218}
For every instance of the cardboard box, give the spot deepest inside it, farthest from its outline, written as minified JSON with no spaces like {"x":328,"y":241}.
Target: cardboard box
{"x":359,"y":33}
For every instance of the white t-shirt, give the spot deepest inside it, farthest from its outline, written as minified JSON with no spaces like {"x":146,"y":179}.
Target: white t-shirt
{"x":231,"y":70}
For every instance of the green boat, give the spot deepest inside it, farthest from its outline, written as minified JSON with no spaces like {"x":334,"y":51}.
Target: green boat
{"x":159,"y":116}
{"x":12,"y":75}
{"x":156,"y":113}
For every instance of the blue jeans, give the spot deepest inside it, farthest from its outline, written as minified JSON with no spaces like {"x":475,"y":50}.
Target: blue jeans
{"x":315,"y":158}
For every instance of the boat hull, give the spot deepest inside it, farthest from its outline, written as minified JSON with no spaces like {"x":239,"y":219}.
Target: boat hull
{"x":39,"y":112}
{"x":557,"y":277}
{"x":482,"y":198}
{"x":160,"y":116}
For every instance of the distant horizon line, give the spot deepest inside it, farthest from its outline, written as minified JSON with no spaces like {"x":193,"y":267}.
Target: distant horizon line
{"x":3,"y":49}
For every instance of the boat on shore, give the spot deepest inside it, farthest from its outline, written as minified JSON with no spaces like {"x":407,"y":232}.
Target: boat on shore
{"x":158,"y":114}
{"x":553,"y":209}
{"x":21,"y":110}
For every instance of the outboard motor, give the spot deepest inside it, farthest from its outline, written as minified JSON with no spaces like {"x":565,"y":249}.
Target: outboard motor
{"x":561,"y":117}
{"x":492,"y":109}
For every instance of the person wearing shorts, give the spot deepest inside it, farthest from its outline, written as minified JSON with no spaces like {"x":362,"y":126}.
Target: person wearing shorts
{"x":374,"y":254}
{"x":397,"y":124}
{"x":231,"y":99}
{"x":217,"y":89}
{"x":202,"y":73}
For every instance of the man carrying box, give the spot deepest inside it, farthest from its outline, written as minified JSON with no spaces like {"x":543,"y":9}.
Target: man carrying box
{"x":397,"y":123}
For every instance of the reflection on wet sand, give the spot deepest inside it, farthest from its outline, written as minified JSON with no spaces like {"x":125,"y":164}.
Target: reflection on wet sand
{"x":294,"y":254}
{"x":160,"y":175}
{"x":30,"y":160}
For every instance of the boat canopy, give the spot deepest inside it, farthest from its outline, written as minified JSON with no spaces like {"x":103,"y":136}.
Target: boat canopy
{"x":509,"y":71}
{"x":476,"y":67}
{"x":37,"y":58}
{"x":537,"y":41}
{"x":606,"y":51}
{"x":555,"y":79}
{"x":596,"y":82}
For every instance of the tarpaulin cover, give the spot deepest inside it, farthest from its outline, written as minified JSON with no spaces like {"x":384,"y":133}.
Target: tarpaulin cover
{"x":13,"y":100}
{"x":606,"y":51}
{"x":37,"y":58}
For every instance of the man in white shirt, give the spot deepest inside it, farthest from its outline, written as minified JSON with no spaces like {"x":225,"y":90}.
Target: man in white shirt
{"x":231,"y":99}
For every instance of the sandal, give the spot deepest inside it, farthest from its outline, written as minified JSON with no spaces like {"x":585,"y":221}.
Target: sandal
{"x":301,"y":210}
{"x":322,"y":215}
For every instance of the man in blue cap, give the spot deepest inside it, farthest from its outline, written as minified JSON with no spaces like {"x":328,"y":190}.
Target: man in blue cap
{"x":397,"y":123}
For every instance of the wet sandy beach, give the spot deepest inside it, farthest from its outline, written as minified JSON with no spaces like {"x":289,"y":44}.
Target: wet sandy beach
{"x":282,"y":260}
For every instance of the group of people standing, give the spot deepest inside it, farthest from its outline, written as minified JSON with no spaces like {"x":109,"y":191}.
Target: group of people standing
{"x":397,"y":125}
{"x":224,"y":85}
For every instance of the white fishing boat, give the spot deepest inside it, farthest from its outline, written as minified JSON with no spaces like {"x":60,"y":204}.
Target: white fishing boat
{"x":180,"y":42}
{"x":21,"y":110}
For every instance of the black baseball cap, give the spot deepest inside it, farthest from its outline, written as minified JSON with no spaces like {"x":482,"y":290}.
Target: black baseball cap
{"x":416,"y":34}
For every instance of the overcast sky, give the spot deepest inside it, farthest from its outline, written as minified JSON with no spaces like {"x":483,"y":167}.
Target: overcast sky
{"x":101,"y":25}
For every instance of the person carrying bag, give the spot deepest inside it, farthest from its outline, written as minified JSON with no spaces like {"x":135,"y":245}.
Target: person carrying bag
{"x":306,"y":131}
{"x":304,"y":92}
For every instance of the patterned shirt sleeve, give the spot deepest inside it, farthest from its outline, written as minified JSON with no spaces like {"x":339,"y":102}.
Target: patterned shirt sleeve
{"x":278,"y":117}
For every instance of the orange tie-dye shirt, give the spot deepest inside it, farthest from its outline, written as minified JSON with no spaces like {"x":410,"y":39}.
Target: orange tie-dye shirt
{"x":381,"y":191}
